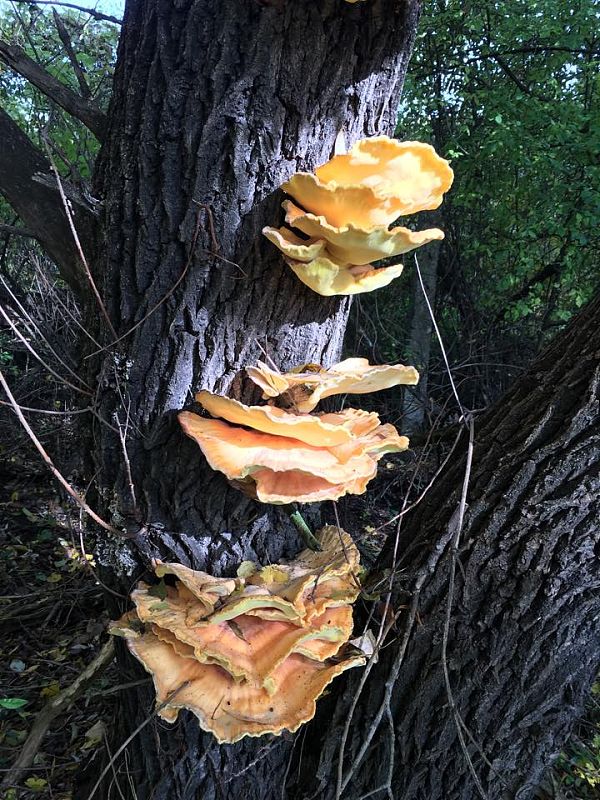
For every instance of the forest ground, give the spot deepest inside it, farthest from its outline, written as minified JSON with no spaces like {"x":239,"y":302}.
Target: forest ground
{"x":53,"y":623}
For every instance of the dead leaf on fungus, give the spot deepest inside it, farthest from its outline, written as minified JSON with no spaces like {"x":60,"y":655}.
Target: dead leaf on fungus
{"x":241,"y":672}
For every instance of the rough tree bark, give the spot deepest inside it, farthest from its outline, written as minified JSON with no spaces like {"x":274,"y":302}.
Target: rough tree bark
{"x":215,"y":104}
{"x":524,"y":633}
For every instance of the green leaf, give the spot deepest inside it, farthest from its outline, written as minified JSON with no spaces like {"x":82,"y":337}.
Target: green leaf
{"x":12,"y":702}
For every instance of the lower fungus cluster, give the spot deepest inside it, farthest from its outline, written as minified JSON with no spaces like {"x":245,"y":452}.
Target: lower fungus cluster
{"x":251,"y":655}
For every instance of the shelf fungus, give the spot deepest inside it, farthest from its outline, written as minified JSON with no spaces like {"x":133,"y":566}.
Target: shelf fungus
{"x":282,"y":457}
{"x":345,"y":209}
{"x":259,"y":660}
{"x":305,"y":386}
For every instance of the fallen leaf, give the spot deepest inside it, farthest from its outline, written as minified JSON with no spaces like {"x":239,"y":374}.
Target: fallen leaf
{"x":12,"y":702}
{"x":94,"y":735}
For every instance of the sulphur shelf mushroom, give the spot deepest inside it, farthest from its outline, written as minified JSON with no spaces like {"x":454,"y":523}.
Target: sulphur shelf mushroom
{"x":305,"y":386}
{"x":281,"y":457}
{"x":345,"y":209}
{"x":258,"y":662}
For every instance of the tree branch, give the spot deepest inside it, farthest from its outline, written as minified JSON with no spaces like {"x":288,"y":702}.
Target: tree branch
{"x":13,"y":230}
{"x":84,"y":110}
{"x":37,"y":203}
{"x":68,"y":45}
{"x":91,"y":11}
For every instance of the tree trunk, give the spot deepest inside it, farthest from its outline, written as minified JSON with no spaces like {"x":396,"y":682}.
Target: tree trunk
{"x":524,"y":632}
{"x":216,"y":103}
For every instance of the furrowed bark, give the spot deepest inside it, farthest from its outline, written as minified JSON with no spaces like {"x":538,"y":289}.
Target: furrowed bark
{"x":215,"y":105}
{"x":83,"y":109}
{"x":524,"y":642}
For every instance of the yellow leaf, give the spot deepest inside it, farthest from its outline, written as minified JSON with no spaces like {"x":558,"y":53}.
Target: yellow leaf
{"x":51,"y":690}
{"x":54,"y":577}
{"x":36,"y":784}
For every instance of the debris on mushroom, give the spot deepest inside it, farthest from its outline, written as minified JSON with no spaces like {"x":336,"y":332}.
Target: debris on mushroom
{"x":305,"y":386}
{"x":241,"y":670}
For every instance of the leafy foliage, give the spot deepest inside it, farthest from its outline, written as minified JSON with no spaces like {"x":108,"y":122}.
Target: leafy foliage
{"x":94,"y":43}
{"x":510,"y":92}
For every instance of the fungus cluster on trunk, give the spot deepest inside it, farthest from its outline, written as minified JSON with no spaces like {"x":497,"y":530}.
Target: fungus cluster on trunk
{"x":281,"y":456}
{"x":250,"y":655}
{"x":345,"y":210}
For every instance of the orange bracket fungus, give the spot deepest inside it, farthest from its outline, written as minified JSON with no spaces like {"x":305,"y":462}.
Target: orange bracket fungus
{"x":282,"y":457}
{"x":346,"y":207}
{"x":258,"y":661}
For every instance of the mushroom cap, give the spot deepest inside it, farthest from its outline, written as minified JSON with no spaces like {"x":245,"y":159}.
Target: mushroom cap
{"x":347,"y":243}
{"x":228,"y":709}
{"x":351,"y":376}
{"x":248,"y":647}
{"x":294,"y":486}
{"x":377,"y":181}
{"x":205,"y":588}
{"x":328,"y":277}
{"x":285,"y":470}
{"x":317,"y":430}
{"x":238,"y":453}
{"x":258,"y":663}
{"x":293,"y":246}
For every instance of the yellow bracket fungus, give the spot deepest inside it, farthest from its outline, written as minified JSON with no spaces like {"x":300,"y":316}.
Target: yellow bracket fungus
{"x":347,"y":206}
{"x":305,"y":386}
{"x":351,"y":244}
{"x":240,"y":670}
{"x":328,"y":277}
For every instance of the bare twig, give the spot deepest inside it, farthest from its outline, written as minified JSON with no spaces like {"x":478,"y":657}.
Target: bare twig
{"x":56,"y":706}
{"x":123,"y":440}
{"x":68,"y":312}
{"x":78,"y":245}
{"x":132,"y":736}
{"x":48,"y":411}
{"x":440,"y":342}
{"x":24,"y":341}
{"x":444,"y":657}
{"x":98,"y":15}
{"x":39,"y":333}
{"x":48,"y":461}
{"x":68,"y":45}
